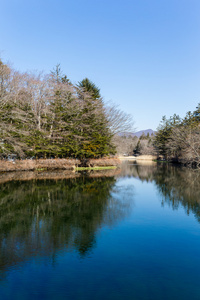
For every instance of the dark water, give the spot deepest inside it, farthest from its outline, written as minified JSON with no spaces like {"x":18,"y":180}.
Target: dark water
{"x":133,"y":235}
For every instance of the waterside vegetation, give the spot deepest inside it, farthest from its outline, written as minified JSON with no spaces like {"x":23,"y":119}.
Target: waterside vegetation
{"x":178,"y":140}
{"x":58,"y":164}
{"x":46,"y":116}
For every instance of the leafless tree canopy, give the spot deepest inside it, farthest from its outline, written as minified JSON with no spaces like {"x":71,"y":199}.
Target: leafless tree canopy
{"x":179,"y":139}
{"x":118,"y":120}
{"x":184,"y":143}
{"x":47,"y":114}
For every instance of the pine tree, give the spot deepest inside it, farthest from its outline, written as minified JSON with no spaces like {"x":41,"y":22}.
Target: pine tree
{"x":94,"y":136}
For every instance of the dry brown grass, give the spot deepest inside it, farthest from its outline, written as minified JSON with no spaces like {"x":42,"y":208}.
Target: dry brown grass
{"x":146,"y":157}
{"x":40,"y":164}
{"x":140,"y":157}
{"x":53,"y":164}
{"x":104,"y":162}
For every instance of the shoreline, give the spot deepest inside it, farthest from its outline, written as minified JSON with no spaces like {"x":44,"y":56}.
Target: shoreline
{"x":139,"y":157}
{"x":58,"y":164}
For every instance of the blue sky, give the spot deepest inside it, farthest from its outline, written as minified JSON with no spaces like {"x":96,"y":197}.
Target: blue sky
{"x":144,"y":55}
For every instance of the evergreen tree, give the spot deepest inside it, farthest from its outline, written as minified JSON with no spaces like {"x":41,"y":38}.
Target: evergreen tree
{"x":164,"y":132}
{"x":179,"y":140}
{"x":94,"y":135}
{"x":89,"y":87}
{"x":47,"y":116}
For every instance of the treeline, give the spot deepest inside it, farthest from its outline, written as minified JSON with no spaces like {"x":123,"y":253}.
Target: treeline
{"x":145,"y":145}
{"x":178,"y":139}
{"x":132,"y":145}
{"x":48,"y":116}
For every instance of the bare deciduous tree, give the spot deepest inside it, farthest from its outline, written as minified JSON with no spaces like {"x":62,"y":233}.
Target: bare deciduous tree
{"x":118,"y":120}
{"x":184,"y":144}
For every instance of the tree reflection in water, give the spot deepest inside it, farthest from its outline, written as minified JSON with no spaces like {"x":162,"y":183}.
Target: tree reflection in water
{"x":40,"y":217}
{"x":177,"y":185}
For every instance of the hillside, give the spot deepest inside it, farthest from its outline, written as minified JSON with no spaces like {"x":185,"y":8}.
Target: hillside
{"x":138,"y":133}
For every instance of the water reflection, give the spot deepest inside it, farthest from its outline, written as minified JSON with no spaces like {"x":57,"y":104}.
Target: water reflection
{"x":176,"y":185}
{"x":179,"y":186}
{"x":55,"y":242}
{"x":143,"y":171}
{"x":39,"y":217}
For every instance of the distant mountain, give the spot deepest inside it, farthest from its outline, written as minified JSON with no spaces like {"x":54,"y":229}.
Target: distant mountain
{"x":138,"y":133}
{"x":145,"y":132}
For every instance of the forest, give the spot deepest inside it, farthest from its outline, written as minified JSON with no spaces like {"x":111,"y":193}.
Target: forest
{"x":46,"y":116}
{"x":178,"y":139}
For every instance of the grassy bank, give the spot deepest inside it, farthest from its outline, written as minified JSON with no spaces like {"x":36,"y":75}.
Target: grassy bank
{"x":95,"y":168}
{"x":58,"y":164}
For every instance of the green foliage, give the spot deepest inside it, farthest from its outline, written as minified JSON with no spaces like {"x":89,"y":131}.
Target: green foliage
{"x":52,"y":118}
{"x":138,"y":148}
{"x":95,"y":168}
{"x":178,"y":139}
{"x":164,"y":132}
{"x":89,"y":87}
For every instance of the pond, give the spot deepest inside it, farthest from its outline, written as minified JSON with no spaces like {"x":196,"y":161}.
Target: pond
{"x":131,"y":234}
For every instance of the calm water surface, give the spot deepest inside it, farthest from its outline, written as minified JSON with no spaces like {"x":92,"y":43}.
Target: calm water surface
{"x":133,"y":234}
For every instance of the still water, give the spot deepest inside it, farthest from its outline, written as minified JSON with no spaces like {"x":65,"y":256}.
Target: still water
{"x":128,"y":234}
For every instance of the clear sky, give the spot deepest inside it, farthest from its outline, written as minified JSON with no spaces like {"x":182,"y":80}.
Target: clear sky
{"x":143,"y":54}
